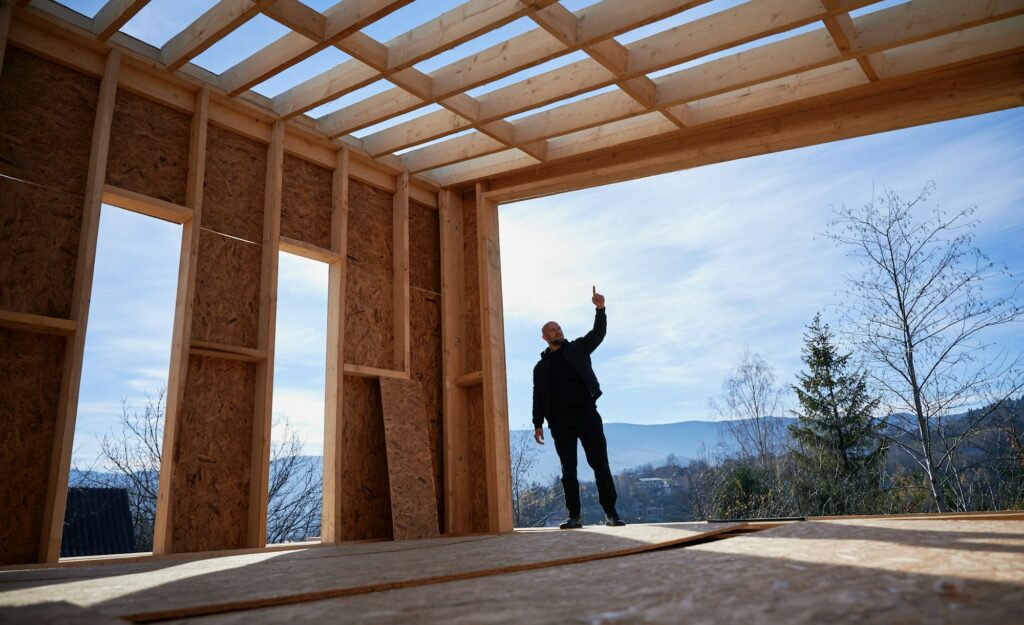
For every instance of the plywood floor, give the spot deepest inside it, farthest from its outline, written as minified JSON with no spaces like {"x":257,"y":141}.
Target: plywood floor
{"x":164,"y":589}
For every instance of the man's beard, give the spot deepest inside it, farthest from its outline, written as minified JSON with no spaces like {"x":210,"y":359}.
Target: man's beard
{"x":560,"y":341}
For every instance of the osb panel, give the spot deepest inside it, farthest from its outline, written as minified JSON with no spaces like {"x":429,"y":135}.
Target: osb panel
{"x":149,"y":148}
{"x":30,"y":376}
{"x":364,"y":489}
{"x":47,"y":113}
{"x":223,"y":588}
{"x":369,"y":301}
{"x":424,"y":248}
{"x":212,"y":459}
{"x":477,"y":458}
{"x":474,"y":354}
{"x":306,"y":202}
{"x":233,"y":189}
{"x":39,"y":232}
{"x":227,"y":302}
{"x":410,"y":462}
{"x":425,"y":318}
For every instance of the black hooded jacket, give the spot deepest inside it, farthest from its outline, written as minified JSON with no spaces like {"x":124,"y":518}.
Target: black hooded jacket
{"x":577,"y":353}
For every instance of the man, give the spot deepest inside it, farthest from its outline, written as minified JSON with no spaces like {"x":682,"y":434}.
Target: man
{"x":565,"y":391}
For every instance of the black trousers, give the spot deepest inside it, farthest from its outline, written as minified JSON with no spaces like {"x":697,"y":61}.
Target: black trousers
{"x":583,"y":424}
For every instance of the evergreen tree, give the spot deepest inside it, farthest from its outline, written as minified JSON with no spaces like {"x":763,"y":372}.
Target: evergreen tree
{"x":839,"y":452}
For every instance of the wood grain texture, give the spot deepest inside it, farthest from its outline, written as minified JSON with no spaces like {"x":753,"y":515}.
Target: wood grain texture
{"x":233,"y":188}
{"x":149,"y":148}
{"x":410,"y":462}
{"x":210,"y":585}
{"x":425,"y":319}
{"x":474,"y":354}
{"x":365,"y":510}
{"x":477,"y":458}
{"x":46,"y":118}
{"x":30,"y":378}
{"x":211,"y":472}
{"x":369,"y":296}
{"x":306,"y":202}
{"x":39,"y":232}
{"x":424,"y":248}
{"x":227,"y":292}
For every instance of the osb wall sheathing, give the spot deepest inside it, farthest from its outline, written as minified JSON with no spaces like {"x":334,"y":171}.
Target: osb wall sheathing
{"x":425,"y":315}
{"x":424,"y":248}
{"x":306,"y":202}
{"x":47,"y":112}
{"x":477,"y":458}
{"x":30,"y":377}
{"x":211,"y":472}
{"x":234,"y":185}
{"x":39,"y":232}
{"x":148,"y":148}
{"x":369,"y":297}
{"x":365,"y":488}
{"x":226,"y":308}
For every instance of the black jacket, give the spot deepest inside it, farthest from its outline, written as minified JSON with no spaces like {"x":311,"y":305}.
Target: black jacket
{"x":578,"y":355}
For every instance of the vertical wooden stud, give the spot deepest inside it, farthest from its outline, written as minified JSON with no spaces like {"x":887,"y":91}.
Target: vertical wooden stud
{"x":400,"y":275}
{"x":458,"y":503}
{"x":492,"y":332}
{"x":259,"y":476}
{"x":182,"y":333}
{"x":335,"y":383}
{"x":71,"y":378}
{"x":6,"y":7}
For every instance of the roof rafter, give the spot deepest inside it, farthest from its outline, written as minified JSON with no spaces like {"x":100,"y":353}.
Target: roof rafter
{"x":113,"y":15}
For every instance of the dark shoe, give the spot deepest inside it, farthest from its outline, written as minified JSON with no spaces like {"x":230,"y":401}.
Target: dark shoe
{"x":572,"y":523}
{"x":613,"y":520}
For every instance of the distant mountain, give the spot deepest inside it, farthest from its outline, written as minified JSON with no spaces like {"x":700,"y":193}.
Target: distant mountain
{"x":632,"y":445}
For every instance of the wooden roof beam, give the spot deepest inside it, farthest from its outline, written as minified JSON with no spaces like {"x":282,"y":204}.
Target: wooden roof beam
{"x":208,"y":29}
{"x":683,"y":43}
{"x":340,"y":21}
{"x":520,"y":52}
{"x":945,"y":52}
{"x":113,"y":15}
{"x":844,"y":33}
{"x":400,"y":53}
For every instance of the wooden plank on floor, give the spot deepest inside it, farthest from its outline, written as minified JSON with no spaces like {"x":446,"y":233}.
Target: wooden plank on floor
{"x":145,"y":592}
{"x":410,"y":470}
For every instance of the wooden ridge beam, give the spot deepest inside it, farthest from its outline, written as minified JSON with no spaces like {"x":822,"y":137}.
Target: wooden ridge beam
{"x":395,"y":58}
{"x":789,"y":57}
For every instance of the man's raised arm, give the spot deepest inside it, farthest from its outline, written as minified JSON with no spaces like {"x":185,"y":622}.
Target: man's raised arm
{"x":593,"y":338}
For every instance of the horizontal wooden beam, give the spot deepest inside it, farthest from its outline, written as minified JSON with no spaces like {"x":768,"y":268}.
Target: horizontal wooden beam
{"x":308,"y":250}
{"x":231,"y":352}
{"x":145,"y":205}
{"x":374,"y":372}
{"x":209,"y":28}
{"x":37,"y":323}
{"x":470,"y":379}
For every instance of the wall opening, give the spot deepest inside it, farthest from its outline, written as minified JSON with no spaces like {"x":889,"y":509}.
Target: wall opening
{"x":115,"y":468}
{"x":295,"y":487}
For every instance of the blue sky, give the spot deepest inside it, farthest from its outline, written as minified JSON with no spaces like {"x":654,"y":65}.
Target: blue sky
{"x":696,"y":265}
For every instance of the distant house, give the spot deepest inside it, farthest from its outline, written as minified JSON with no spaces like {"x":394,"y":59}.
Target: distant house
{"x":97,"y":521}
{"x":658,"y":484}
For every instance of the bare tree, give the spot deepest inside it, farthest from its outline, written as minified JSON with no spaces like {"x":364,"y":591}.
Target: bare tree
{"x":524,"y":455}
{"x":918,"y":315}
{"x":130,"y":459}
{"x":750,"y":402}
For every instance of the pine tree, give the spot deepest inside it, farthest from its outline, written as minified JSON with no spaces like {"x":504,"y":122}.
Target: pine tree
{"x":839,"y":452}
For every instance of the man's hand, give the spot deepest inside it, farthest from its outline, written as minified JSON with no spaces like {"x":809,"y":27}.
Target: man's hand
{"x":538,"y":435}
{"x":598,"y":299}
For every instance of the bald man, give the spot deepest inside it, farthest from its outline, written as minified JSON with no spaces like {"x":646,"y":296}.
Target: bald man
{"x":565,"y":392}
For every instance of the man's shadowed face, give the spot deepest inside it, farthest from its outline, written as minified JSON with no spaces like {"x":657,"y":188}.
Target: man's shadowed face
{"x":552,"y":333}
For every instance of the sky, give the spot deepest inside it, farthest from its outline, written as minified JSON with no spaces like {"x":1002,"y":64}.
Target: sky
{"x":697,"y":266}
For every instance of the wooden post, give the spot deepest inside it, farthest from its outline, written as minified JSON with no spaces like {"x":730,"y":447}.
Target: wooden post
{"x":492,"y":334}
{"x":64,"y":431}
{"x":400,"y":275}
{"x":458,"y":504}
{"x":181,"y":337}
{"x":259,"y":476}
{"x":335,"y":384}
